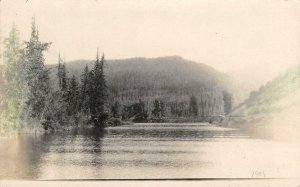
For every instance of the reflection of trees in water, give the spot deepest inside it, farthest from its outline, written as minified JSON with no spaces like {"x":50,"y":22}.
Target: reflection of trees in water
{"x":27,"y":156}
{"x":37,"y":147}
{"x":22,"y":156}
{"x":88,"y":142}
{"x":174,"y":133}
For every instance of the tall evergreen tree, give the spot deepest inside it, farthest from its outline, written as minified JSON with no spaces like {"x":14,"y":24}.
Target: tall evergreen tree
{"x":59,"y":71}
{"x":103,"y":80}
{"x":62,"y":75}
{"x":73,"y":97}
{"x":64,"y":78}
{"x":84,"y":92}
{"x":71,"y":100}
{"x":37,"y":76}
{"x":90,"y":91}
{"x":58,"y":98}
{"x":97,"y":92}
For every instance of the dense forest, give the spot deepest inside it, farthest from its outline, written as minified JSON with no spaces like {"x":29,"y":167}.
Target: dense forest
{"x":101,"y":92}
{"x":173,"y":82}
{"x":168,"y":84}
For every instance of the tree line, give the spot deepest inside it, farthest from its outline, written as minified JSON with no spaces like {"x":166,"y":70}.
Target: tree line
{"x":30,"y":101}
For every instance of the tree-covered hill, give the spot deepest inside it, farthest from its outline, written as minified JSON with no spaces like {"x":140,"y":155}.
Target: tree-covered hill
{"x":274,"y":109}
{"x":277,"y":95}
{"x":172,"y":80}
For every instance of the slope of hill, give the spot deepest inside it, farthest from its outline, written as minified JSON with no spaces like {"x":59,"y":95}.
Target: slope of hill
{"x":169,"y":71}
{"x":172,"y":79}
{"x":275,"y":106}
{"x":275,"y":96}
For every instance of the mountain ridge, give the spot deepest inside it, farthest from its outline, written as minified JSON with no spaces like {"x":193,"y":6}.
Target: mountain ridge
{"x":188,"y":70}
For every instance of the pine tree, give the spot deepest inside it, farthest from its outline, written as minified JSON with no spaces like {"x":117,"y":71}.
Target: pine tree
{"x":58,"y":98}
{"x":103,"y":80}
{"x":84,"y":92}
{"x":64,"y":78}
{"x":59,"y":71}
{"x":97,"y":92}
{"x":37,"y":76}
{"x":73,"y":97}
{"x":90,"y":91}
{"x":62,"y":75}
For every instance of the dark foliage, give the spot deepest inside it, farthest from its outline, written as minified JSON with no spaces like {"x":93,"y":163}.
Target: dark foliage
{"x":193,"y":107}
{"x":137,"y":112}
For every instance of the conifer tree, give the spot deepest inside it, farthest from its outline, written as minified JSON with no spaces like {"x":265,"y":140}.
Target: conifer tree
{"x":84,"y":92}
{"x":97,"y":92}
{"x":64,"y":78}
{"x":62,"y":75}
{"x":59,"y":71}
{"x":37,"y":76}
{"x":58,"y":97}
{"x":73,"y":97}
{"x":103,"y":80}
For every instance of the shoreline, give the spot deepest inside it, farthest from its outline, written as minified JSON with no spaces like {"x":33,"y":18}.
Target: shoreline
{"x":92,"y":127}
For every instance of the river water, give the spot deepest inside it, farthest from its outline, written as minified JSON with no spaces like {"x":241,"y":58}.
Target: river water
{"x":147,"y":151}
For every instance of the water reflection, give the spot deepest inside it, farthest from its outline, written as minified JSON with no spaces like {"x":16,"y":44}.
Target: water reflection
{"x":20,"y":157}
{"x":144,"y":151}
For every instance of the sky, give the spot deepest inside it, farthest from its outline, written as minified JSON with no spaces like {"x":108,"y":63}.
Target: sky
{"x":255,"y":39}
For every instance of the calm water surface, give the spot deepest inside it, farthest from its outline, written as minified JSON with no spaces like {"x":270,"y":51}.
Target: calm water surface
{"x":147,"y":151}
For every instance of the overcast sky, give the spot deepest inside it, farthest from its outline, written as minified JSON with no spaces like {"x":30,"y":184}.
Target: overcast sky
{"x":261,"y":36}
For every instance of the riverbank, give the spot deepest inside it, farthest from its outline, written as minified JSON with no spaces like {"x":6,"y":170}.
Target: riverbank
{"x":278,"y":127}
{"x":112,"y":122}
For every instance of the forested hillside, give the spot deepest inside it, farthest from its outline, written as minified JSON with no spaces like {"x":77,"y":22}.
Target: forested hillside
{"x":274,"y":109}
{"x":278,"y":95}
{"x":171,"y":81}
